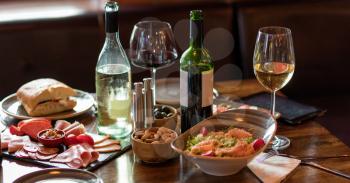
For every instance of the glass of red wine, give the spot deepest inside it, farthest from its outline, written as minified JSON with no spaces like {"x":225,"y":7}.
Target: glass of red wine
{"x":152,"y":46}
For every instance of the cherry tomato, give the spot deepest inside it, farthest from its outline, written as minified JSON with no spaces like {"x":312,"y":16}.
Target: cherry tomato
{"x":258,"y":143}
{"x":84,"y":138}
{"x":14,"y":130}
{"x":71,"y":139}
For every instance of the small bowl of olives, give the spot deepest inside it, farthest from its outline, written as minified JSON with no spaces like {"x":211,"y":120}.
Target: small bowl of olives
{"x":165,"y":116}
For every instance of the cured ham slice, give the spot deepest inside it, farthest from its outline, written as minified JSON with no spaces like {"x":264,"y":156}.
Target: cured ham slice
{"x":5,"y":140}
{"x":107,"y":149}
{"x":106,"y":143}
{"x":44,"y":157}
{"x":31,"y":147}
{"x":71,"y":157}
{"x":21,"y":153}
{"x":94,"y":154}
{"x":99,"y":138}
{"x":16,"y":143}
{"x":32,"y":155}
{"x":47,"y":150}
{"x":75,"y":163}
{"x":61,"y":124}
{"x":79,"y":155}
{"x":66,"y":156}
{"x":80,"y":129}
{"x":71,"y":126}
{"x":85,"y":155}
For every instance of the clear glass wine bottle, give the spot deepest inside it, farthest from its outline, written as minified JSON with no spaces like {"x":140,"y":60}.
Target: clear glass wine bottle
{"x":113,"y":81}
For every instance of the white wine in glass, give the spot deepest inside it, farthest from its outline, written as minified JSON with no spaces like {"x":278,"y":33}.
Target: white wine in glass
{"x":273,"y":75}
{"x":274,"y":64}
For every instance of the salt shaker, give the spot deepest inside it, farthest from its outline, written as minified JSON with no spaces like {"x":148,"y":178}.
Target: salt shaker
{"x":148,"y":101}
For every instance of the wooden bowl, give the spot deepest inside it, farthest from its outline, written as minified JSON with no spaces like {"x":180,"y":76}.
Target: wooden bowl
{"x":152,"y":153}
{"x":168,"y":122}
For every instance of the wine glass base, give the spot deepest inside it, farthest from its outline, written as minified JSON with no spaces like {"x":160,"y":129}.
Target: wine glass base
{"x":280,"y":143}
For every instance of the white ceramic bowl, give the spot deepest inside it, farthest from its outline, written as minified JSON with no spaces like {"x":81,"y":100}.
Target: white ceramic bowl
{"x":261,"y":124}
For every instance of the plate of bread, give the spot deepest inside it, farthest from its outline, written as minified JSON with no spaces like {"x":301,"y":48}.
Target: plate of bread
{"x":46,"y":98}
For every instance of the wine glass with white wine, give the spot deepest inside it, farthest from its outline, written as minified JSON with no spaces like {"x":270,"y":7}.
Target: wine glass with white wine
{"x":274,"y":64}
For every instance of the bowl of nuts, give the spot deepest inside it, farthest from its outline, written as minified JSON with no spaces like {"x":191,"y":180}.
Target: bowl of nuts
{"x":152,"y":145}
{"x":165,"y":116}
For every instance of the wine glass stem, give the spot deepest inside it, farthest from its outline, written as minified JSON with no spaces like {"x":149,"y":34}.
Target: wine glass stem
{"x":153,"y":75}
{"x":273,"y":103}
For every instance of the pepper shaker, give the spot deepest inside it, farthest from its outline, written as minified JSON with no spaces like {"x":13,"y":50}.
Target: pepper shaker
{"x":138,"y":107}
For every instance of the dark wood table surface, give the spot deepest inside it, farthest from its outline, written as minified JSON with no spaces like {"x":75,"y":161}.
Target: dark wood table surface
{"x":308,"y":139}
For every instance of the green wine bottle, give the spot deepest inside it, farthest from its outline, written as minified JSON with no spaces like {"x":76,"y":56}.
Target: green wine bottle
{"x":196,"y":77}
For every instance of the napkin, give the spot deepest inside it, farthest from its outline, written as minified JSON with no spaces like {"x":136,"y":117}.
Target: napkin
{"x":274,"y":169}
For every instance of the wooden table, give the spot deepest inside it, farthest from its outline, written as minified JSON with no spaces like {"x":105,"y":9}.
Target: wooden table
{"x":307,"y":139}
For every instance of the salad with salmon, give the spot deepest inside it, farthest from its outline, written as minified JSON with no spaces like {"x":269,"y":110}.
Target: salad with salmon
{"x":231,"y":142}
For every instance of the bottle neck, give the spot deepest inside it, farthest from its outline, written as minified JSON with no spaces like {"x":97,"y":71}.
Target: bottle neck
{"x":114,"y":36}
{"x":111,"y":21}
{"x":196,"y":33}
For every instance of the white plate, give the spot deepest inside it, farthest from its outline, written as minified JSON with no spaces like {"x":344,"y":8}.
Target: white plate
{"x":168,"y":91}
{"x":12,"y":107}
{"x":59,"y":175}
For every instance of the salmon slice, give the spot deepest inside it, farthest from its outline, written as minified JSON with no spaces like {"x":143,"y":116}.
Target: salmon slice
{"x":32,"y":128}
{"x":238,"y":133}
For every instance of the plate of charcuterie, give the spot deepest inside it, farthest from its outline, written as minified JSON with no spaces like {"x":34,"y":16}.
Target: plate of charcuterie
{"x":62,"y":145}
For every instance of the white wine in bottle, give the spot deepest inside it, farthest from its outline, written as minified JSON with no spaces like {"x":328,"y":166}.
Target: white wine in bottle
{"x":113,"y":81}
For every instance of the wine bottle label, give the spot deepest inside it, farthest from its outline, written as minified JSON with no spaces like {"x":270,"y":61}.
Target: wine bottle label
{"x":196,"y":88}
{"x":207,"y":88}
{"x":183,"y":88}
